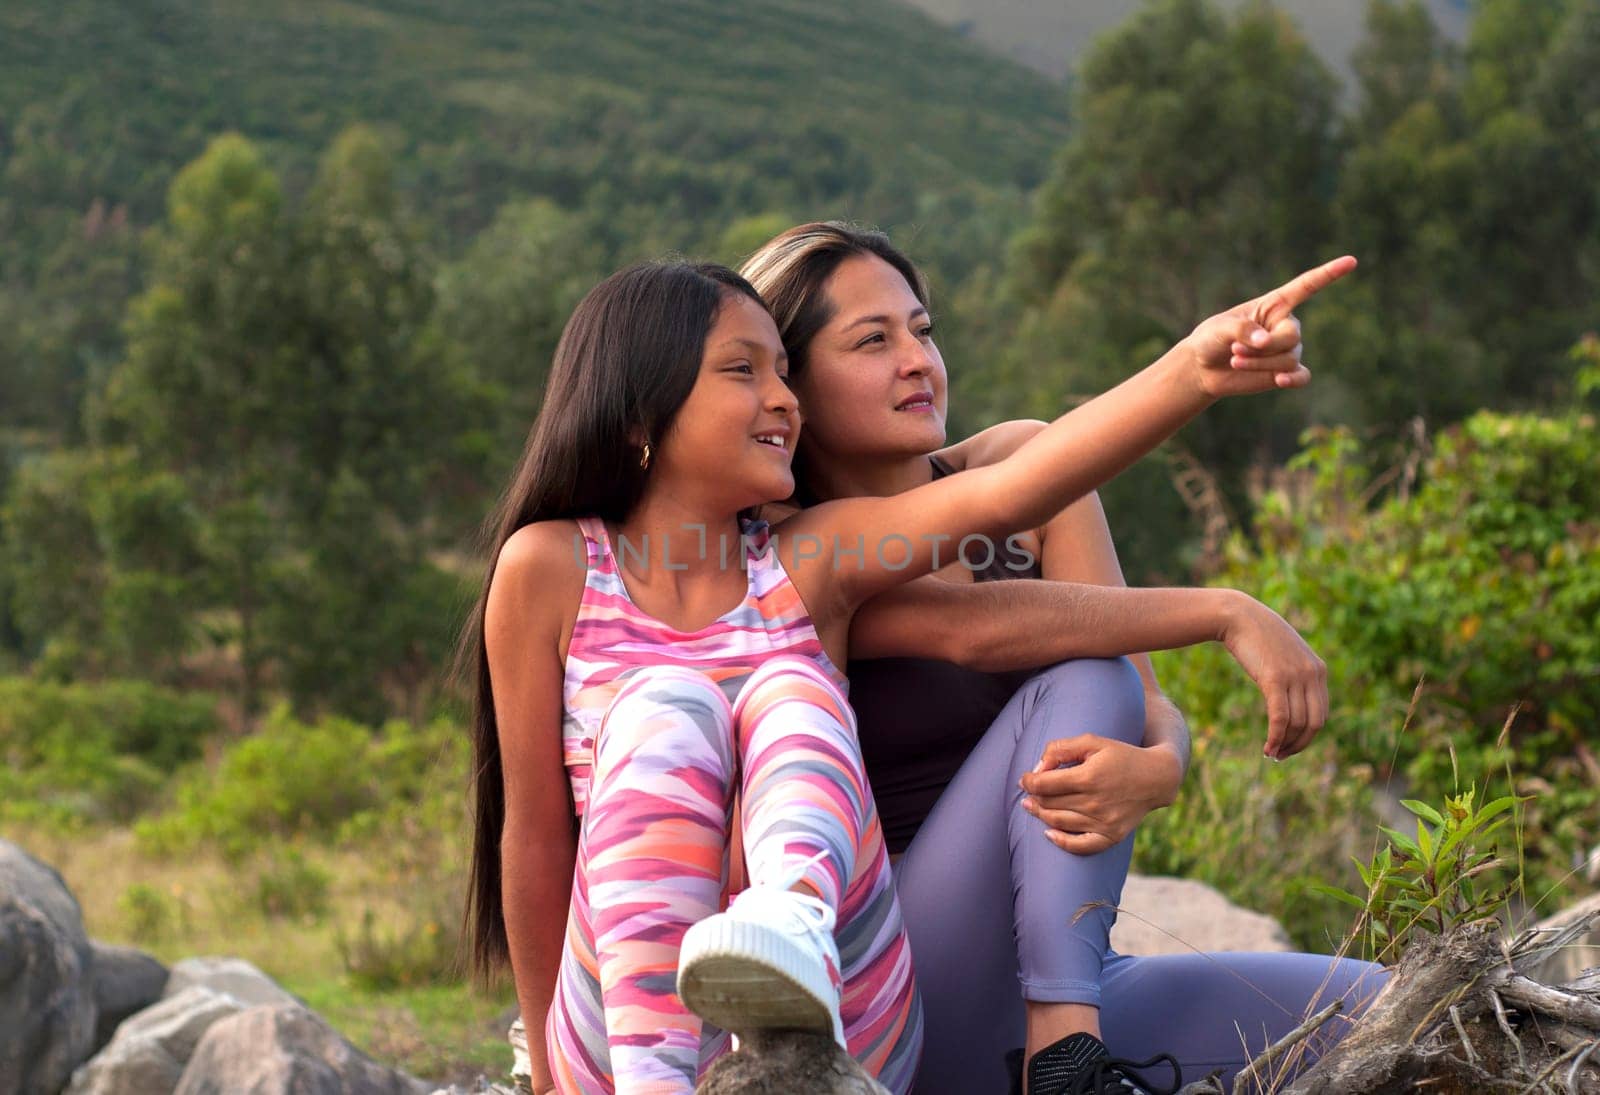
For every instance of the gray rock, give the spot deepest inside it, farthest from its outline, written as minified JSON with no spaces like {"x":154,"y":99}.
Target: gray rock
{"x":786,"y":1063}
{"x":47,"y":1008}
{"x":283,"y":1049}
{"x":150,"y":1049}
{"x":234,"y":976}
{"x":1178,"y":916}
{"x":125,"y":980}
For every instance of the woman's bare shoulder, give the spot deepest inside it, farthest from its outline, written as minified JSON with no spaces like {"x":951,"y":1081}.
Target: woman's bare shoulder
{"x":990,"y":446}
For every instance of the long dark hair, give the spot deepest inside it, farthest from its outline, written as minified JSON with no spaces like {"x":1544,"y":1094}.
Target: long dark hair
{"x":626,"y":363}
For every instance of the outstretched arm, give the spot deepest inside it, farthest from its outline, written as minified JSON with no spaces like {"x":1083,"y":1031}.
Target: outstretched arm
{"x":900,"y":535}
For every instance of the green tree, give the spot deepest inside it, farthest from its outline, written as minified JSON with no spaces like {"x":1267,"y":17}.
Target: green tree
{"x":101,"y":557}
{"x":501,"y":309}
{"x":150,"y":533}
{"x":200,"y":392}
{"x":276,"y":370}
{"x":1166,"y":206}
{"x":359,"y":400}
{"x":1471,"y":198}
{"x":53,"y":559}
{"x":1403,"y":60}
{"x":374,"y":427}
{"x":1397,"y":341}
{"x":1507,"y":40}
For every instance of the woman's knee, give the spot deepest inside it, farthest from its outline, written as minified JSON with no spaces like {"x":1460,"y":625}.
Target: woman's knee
{"x":1102,"y":696}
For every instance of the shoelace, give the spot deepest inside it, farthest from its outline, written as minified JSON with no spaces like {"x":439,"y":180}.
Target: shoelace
{"x":1112,"y":1074}
{"x":779,"y":897}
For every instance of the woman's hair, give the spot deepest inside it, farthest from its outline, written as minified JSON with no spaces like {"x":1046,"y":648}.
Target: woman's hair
{"x":791,"y":273}
{"x":626,"y":363}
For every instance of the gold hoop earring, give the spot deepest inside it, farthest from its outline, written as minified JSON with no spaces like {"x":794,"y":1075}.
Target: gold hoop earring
{"x":644,"y":458}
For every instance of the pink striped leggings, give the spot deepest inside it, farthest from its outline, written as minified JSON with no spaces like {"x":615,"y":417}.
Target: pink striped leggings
{"x":653,"y":858}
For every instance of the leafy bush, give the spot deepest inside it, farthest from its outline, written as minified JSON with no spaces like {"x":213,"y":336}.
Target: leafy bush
{"x":1473,"y":568}
{"x":292,"y":886}
{"x":83,"y":752}
{"x":420,"y":951}
{"x":1436,"y":881}
{"x":323,"y":780}
{"x":150,"y":915}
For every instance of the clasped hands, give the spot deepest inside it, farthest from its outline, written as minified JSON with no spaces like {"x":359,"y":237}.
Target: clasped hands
{"x":1092,"y":791}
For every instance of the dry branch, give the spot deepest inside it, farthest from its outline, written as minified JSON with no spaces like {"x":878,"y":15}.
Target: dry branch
{"x":1460,"y":1015}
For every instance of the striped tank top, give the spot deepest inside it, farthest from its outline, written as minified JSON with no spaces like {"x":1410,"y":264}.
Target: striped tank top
{"x":613,"y":638}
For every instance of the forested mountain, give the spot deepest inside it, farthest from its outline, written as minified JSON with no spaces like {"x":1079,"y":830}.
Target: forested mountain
{"x":660,"y":125}
{"x":711,"y":109}
{"x":277,"y":275}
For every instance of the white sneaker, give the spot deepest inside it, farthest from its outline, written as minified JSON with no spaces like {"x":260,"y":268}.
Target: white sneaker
{"x":769,"y":963}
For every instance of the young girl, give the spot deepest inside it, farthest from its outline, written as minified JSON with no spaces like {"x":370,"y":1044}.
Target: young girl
{"x":648,"y":656}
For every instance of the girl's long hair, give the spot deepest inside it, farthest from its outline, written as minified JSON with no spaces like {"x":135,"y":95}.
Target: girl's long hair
{"x":626,"y":362}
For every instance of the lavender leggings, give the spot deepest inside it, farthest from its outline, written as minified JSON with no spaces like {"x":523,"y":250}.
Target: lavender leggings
{"x":1211,"y":1011}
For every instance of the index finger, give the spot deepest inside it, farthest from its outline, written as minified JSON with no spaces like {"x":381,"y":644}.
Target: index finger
{"x":1056,"y":781}
{"x":1295,"y":292}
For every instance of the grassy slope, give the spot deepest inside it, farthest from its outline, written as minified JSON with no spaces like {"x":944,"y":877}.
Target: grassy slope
{"x":711,"y":109}
{"x":445,"y":1032}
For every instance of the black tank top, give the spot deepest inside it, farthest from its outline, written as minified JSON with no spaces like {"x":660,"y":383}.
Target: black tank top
{"x":919,"y":718}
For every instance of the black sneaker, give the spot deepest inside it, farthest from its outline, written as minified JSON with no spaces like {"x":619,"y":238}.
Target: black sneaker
{"x":1080,"y":1064}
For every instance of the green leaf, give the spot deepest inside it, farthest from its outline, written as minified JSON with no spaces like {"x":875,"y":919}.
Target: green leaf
{"x":1401,"y":841}
{"x":1422,"y":809}
{"x":1499,"y":806}
{"x":1338,"y":894}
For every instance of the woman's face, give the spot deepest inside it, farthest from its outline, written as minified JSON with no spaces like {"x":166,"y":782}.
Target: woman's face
{"x":734,"y":437}
{"x":874,"y":383}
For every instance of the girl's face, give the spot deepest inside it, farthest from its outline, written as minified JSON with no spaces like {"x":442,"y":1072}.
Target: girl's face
{"x":874,"y":383}
{"x":734,"y":437}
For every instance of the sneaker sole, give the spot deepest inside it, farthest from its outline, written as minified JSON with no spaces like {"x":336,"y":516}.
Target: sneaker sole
{"x":742,"y":977}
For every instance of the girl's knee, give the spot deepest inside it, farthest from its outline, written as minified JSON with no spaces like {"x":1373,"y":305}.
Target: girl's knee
{"x":669,"y":708}
{"x":791,"y":676}
{"x":788,"y":666}
{"x":662,"y":688}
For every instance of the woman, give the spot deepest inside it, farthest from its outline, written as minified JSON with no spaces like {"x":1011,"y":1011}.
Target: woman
{"x":966,"y":768}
